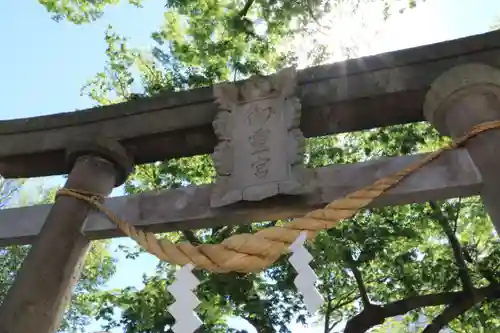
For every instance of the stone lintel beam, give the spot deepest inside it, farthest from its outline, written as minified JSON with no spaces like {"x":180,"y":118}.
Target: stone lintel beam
{"x":451,"y":175}
{"x":357,"y":94}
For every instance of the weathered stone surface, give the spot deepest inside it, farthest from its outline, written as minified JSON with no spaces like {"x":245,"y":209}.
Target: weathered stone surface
{"x":38,"y":298}
{"x":452,"y":175}
{"x":380,"y":90}
{"x":260,"y":149}
{"x":460,"y":99}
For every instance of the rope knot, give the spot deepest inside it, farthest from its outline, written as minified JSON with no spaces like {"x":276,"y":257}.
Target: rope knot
{"x":93,"y":198}
{"x":97,"y":199}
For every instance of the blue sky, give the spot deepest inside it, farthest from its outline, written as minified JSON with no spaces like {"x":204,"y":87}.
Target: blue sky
{"x":44,"y":63}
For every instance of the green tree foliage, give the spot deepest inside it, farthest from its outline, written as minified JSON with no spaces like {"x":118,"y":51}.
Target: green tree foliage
{"x":80,"y":11}
{"x":98,"y":269}
{"x":431,"y":265}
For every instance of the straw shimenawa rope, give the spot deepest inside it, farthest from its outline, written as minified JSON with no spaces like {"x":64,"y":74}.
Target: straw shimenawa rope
{"x":254,"y":252}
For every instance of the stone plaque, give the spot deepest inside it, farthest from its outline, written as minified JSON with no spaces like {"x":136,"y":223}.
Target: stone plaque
{"x":260,"y":148}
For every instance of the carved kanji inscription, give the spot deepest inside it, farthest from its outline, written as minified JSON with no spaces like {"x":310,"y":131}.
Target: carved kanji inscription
{"x":260,"y":149}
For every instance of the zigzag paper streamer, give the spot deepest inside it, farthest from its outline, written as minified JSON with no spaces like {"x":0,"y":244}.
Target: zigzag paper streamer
{"x":306,"y":278}
{"x":186,"y":320}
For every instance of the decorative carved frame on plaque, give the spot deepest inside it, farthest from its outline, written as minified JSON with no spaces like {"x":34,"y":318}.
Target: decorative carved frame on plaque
{"x":260,"y":150}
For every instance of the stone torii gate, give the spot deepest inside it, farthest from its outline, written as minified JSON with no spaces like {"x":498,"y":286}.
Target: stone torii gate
{"x":257,"y":148}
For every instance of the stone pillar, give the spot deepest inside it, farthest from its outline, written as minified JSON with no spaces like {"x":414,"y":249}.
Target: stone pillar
{"x":459,"y":99}
{"x":37,"y":300}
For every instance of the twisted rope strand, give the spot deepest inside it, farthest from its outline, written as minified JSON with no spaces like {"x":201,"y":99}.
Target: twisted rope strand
{"x":254,"y":252}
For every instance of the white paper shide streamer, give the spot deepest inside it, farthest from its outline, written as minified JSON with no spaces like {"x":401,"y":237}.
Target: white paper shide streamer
{"x":306,"y":278}
{"x":186,"y":320}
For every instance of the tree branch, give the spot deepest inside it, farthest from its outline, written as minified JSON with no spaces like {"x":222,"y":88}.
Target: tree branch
{"x":315,"y":19}
{"x":338,"y":305}
{"x":488,"y":274}
{"x":328,"y":312}
{"x":450,"y":313}
{"x":246,"y":8}
{"x":259,"y":325}
{"x":190,"y":236}
{"x":333,"y":325}
{"x":344,"y":302}
{"x":223,"y":232}
{"x":376,"y":315}
{"x":272,"y":223}
{"x":359,"y":281}
{"x":463,"y":270}
{"x":460,"y":306}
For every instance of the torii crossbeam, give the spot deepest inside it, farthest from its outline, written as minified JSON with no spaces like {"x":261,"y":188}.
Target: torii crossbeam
{"x":455,"y":85}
